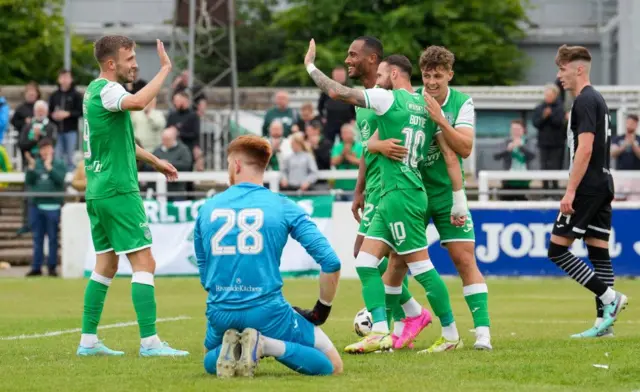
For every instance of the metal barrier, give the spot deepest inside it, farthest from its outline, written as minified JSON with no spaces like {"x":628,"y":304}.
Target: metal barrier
{"x":485,"y":176}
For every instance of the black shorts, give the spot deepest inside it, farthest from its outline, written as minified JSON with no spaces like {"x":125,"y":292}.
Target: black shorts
{"x":591,"y":219}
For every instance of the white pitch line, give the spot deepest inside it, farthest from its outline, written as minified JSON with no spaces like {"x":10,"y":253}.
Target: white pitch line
{"x":76,"y":330}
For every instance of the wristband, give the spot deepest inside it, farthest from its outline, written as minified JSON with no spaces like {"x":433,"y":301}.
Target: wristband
{"x":310,"y":68}
{"x":459,"y":197}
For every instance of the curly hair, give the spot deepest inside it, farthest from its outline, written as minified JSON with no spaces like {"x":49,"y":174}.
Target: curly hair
{"x":434,"y":57}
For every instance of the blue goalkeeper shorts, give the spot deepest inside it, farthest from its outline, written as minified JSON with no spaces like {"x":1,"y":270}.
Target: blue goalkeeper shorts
{"x":276,"y":320}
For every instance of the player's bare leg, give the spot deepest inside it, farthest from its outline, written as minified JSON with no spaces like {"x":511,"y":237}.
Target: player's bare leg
{"x":474,"y":289}
{"x":94,"y":298}
{"x":613,"y":302}
{"x":367,"y":262}
{"x":417,"y":318}
{"x":144,"y":302}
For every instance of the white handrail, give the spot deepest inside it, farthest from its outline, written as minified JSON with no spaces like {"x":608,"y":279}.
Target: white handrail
{"x":484,"y":176}
{"x":271,"y":177}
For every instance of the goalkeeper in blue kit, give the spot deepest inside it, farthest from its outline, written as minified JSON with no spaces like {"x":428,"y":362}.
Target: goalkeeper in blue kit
{"x":239,"y":237}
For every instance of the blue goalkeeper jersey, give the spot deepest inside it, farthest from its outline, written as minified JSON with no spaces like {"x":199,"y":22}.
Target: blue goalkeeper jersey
{"x":239,"y":236}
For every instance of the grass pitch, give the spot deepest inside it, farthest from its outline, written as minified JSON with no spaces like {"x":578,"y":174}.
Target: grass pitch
{"x":532,"y":321}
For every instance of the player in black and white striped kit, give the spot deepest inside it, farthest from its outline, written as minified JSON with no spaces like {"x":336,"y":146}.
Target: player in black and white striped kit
{"x":585,"y":209}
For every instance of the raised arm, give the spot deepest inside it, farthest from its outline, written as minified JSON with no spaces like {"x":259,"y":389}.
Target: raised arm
{"x":329,"y":86}
{"x":142,"y":98}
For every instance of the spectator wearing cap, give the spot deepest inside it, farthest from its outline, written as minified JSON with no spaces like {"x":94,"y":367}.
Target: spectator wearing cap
{"x":45,"y":174}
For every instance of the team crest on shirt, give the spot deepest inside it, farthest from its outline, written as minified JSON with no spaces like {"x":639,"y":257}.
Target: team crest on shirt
{"x":365,"y":129}
{"x":449,"y":117}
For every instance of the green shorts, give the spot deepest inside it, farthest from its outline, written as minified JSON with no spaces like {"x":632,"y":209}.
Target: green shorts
{"x":440,"y":212}
{"x":119,"y":224}
{"x":400,"y":221}
{"x":371,"y":201}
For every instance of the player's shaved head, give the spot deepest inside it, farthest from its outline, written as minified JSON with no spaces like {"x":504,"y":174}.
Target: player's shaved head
{"x":401,"y":62}
{"x":252,"y":150}
{"x":108,"y":47}
{"x":372,"y":45}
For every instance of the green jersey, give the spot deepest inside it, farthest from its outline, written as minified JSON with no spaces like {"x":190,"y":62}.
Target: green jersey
{"x":366,"y":125}
{"x":401,"y":115}
{"x":458,"y":110}
{"x":108,"y":142}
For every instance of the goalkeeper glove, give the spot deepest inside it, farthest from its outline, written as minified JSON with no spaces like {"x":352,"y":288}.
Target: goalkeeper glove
{"x":318,"y":315}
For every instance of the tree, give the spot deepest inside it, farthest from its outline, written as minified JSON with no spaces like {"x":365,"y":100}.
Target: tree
{"x":483,"y":34}
{"x":32,"y":43}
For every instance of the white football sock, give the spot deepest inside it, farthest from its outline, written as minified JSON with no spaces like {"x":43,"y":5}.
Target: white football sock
{"x":412,"y":308}
{"x":450,"y":332}
{"x":380,"y":327}
{"x":272,"y":347}
{"x":151,"y":342}
{"x":483,"y":332}
{"x":608,"y":296}
{"x":88,"y":340}
{"x":398,"y":328}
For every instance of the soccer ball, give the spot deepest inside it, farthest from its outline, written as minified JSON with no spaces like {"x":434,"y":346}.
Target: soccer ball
{"x":362,"y":324}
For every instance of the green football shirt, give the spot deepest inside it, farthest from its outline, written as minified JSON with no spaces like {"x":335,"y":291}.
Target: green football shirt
{"x":459,"y":111}
{"x":108,"y":142}
{"x":401,"y":115}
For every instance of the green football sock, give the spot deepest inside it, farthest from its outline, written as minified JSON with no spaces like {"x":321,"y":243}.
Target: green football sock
{"x":477,"y":297}
{"x":94,"y":297}
{"x":393,"y":301}
{"x":437,"y":292}
{"x":373,"y":292}
{"x":395,"y":312}
{"x":144,"y":302}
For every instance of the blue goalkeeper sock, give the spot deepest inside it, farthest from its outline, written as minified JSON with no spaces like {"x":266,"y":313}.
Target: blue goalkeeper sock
{"x":211,"y":359}
{"x":305,"y":360}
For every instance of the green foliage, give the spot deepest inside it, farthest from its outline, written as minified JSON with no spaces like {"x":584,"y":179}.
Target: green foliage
{"x":32,"y":43}
{"x":483,"y":35}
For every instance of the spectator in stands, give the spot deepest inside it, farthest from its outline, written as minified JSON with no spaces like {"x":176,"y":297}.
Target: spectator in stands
{"x":4,"y":117}
{"x":176,"y":153}
{"x":136,"y":85}
{"x":23,"y":113}
{"x":37,"y":128}
{"x":335,"y":113}
{"x":299,"y":171}
{"x":181,"y":84}
{"x":321,"y":149}
{"x":45,"y":174}
{"x":280,"y":145}
{"x":516,"y":157}
{"x":148,"y":125}
{"x":65,"y":105}
{"x":346,"y":156}
{"x":549,"y":118}
{"x":625,"y":149}
{"x":307,"y":115}
{"x":186,"y":121}
{"x":281,"y":111}
{"x":207,"y":127}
